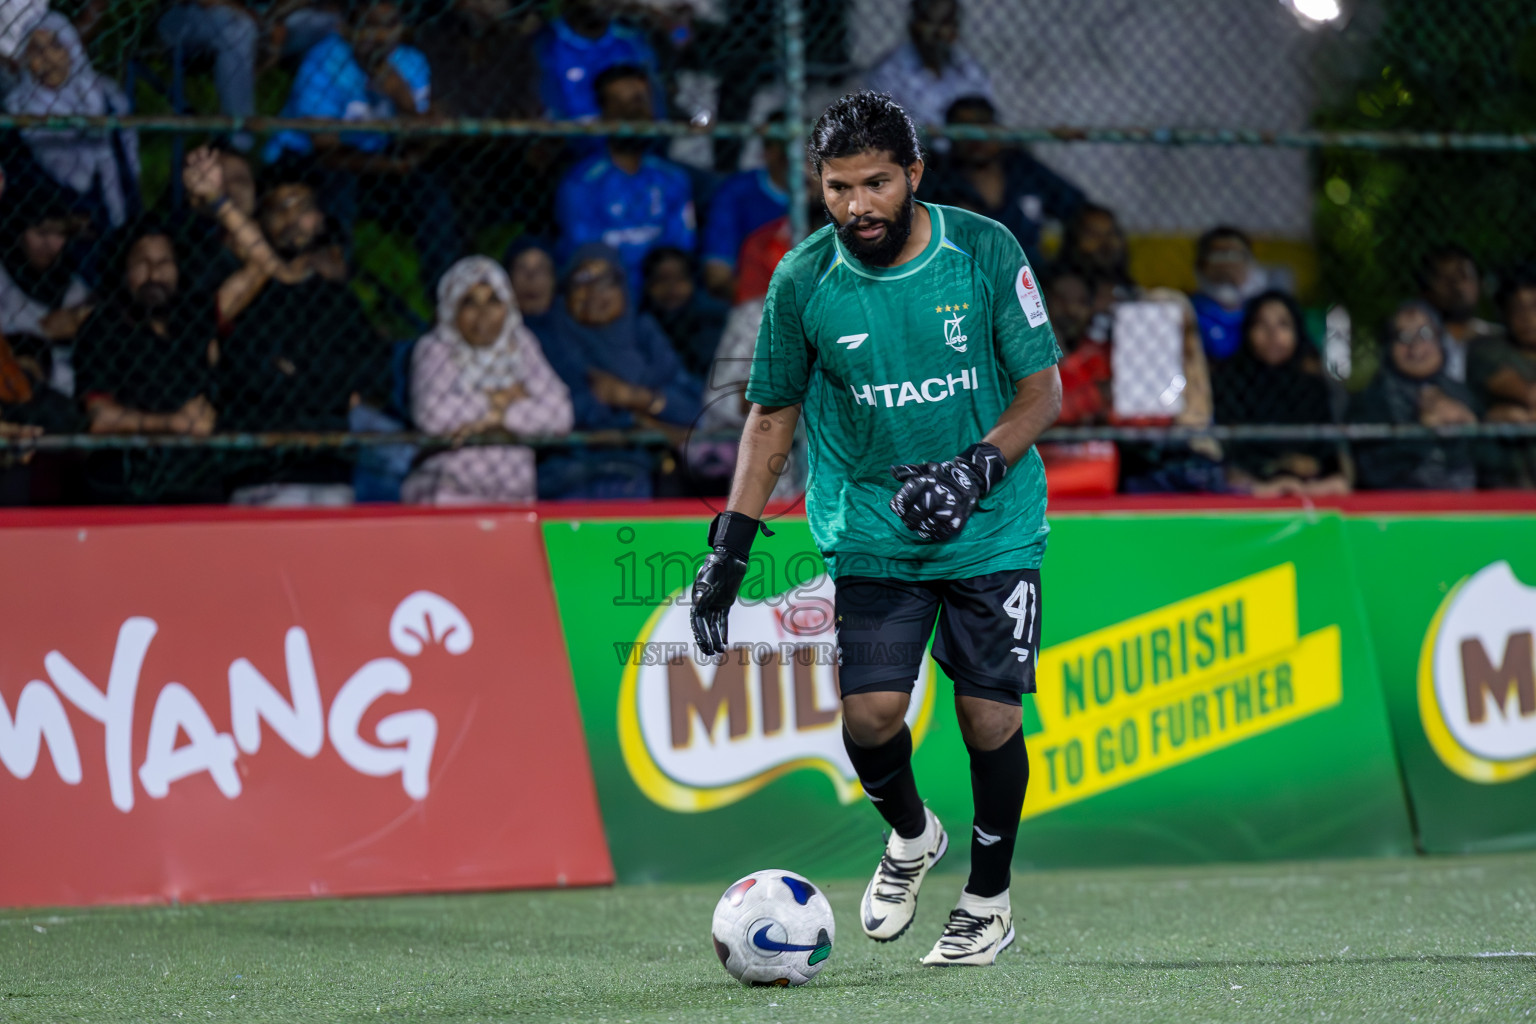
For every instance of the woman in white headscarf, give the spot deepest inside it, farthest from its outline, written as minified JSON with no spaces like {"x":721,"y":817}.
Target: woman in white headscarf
{"x":480,"y":369}
{"x":57,"y":78}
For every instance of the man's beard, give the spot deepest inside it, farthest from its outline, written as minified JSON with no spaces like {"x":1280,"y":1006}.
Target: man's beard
{"x":883,"y":251}
{"x":293,"y":245}
{"x":153,"y":297}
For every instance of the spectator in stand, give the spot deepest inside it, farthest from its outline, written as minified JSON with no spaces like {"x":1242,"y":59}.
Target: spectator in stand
{"x":143,"y":359}
{"x":577,"y":47}
{"x":1448,"y":281}
{"x":690,"y":316}
{"x":100,"y":167}
{"x":764,"y":248}
{"x":28,"y":409}
{"x":1501,"y":370}
{"x":302,"y":354}
{"x":759,"y":257}
{"x":930,"y":71}
{"x":1085,"y":370}
{"x":1095,"y":244}
{"x":368,"y":74}
{"x":40,"y":292}
{"x":236,"y":262}
{"x":224,"y":30}
{"x":1082,"y":468}
{"x":480,"y":370}
{"x":42,"y":299}
{"x":1267,"y":382}
{"x":1229,"y":277}
{"x":626,"y":197}
{"x":530,"y":263}
{"x":1412,"y":387}
{"x":744,"y":202}
{"x":622,"y":373}
{"x":1003,"y":182}
{"x":28,"y":406}
{"x":144,"y":365}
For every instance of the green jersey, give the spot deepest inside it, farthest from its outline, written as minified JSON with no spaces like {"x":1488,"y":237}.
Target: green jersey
{"x":912,"y":363}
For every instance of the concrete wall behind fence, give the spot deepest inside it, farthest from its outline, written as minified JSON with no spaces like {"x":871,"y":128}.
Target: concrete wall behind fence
{"x":1125,"y":63}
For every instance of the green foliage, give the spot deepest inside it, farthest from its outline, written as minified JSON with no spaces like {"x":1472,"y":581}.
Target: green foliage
{"x":389,"y":266}
{"x":1436,"y":66}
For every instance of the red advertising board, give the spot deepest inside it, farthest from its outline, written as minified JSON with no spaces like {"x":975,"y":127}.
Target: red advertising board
{"x":245,"y":709}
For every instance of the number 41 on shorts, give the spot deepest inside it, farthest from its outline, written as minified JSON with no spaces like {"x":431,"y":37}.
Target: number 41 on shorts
{"x":1023,"y":607}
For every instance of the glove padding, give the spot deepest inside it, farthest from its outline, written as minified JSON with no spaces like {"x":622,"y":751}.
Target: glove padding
{"x":937,"y":498}
{"x":719,"y":578}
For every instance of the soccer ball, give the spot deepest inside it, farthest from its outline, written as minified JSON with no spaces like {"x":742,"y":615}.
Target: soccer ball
{"x":773,"y":928}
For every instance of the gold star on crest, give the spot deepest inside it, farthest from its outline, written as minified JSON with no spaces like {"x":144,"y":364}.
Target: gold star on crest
{"x":967,"y":305}
{"x":938,"y":309}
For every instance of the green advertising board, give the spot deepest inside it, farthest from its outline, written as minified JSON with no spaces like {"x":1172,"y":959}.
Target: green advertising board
{"x":1452,"y":606}
{"x":1207,"y":692}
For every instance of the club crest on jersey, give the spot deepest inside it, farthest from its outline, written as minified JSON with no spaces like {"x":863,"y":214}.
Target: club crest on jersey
{"x":952,"y":331}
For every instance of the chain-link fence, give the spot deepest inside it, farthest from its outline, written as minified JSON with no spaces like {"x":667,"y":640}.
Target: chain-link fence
{"x":488,"y":250}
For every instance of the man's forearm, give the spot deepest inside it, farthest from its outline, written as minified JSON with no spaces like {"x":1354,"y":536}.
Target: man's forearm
{"x":763,"y":457}
{"x":108,"y":417}
{"x":1036,"y":405}
{"x":1505,"y":383}
{"x":246,"y":238}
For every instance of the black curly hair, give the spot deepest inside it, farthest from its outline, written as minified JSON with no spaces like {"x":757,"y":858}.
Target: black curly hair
{"x":864,"y":122}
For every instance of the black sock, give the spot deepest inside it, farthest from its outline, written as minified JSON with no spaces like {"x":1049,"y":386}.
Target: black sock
{"x":886,"y":774}
{"x":998,"y":780}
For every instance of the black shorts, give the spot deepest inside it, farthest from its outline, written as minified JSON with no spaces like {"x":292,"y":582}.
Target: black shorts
{"x":988,"y":638}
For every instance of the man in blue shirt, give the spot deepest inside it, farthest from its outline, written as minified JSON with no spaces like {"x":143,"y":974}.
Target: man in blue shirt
{"x":625,"y":196}
{"x":580,"y":45}
{"x":744,"y":203}
{"x":369,"y":74}
{"x":1228,"y":276}
{"x":363,"y":76}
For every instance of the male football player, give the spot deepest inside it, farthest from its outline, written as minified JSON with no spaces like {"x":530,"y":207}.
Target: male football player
{"x":914,"y":339}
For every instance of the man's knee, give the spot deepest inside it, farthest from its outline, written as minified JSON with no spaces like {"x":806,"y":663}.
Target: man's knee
{"x":987,"y":724}
{"x":873,"y":718}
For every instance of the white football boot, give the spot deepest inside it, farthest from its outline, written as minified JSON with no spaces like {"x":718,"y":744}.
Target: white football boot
{"x":891,"y":897}
{"x":978,"y":929}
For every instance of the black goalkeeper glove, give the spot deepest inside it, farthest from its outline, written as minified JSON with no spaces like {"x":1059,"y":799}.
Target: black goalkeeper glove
{"x":936,"y":498}
{"x":715,"y":587}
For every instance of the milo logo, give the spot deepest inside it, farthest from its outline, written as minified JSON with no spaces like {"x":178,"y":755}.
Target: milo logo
{"x":1477,"y":677}
{"x":700,"y":733}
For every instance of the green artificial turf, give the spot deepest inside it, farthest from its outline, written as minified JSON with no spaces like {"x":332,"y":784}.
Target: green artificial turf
{"x":1389,"y":940}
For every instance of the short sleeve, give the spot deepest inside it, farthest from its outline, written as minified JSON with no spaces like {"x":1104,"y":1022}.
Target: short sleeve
{"x":319,"y":89}
{"x":781,"y":361}
{"x":412,"y":65}
{"x":1022,"y":329}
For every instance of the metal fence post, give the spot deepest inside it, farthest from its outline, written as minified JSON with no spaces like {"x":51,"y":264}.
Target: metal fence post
{"x":794,"y":114}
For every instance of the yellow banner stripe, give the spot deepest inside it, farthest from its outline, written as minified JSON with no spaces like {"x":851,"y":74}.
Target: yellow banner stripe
{"x":1141,"y":660}
{"x":1090,"y":755}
